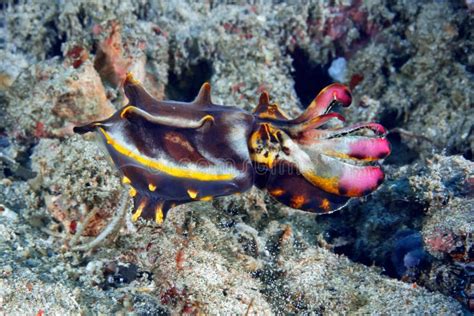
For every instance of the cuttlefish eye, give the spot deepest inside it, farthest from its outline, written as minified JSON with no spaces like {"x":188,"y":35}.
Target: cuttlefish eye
{"x":265,"y":145}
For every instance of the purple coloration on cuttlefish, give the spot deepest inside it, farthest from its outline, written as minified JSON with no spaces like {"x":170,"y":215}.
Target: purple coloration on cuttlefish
{"x":172,"y":153}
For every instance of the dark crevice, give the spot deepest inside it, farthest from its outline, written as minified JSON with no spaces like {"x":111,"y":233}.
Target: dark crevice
{"x":310,"y":78}
{"x":401,"y":153}
{"x":461,"y":51}
{"x":145,"y":11}
{"x":464,"y":148}
{"x":384,"y":242}
{"x":385,"y":71}
{"x":468,"y":153}
{"x":84,"y":20}
{"x":185,"y":85}
{"x":399,"y":60}
{"x":56,"y":41}
{"x":20,"y":168}
{"x":392,"y":239}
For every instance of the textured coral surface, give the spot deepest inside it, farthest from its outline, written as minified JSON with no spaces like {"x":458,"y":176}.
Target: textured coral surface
{"x":406,"y":248}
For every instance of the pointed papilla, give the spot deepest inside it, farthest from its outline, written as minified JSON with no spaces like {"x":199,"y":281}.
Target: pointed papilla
{"x":266,"y":110}
{"x":204,"y":95}
{"x":264,"y":99}
{"x":137,"y":94}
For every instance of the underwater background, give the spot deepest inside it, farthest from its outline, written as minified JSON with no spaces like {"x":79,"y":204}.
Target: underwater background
{"x":406,"y":248}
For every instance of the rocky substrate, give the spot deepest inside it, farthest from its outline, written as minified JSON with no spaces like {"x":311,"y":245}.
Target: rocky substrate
{"x":406,"y":248}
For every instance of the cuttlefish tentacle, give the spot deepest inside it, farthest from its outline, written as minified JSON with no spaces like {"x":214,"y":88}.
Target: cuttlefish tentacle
{"x":329,"y":174}
{"x":309,"y":136}
{"x":351,"y":147}
{"x":338,"y":177}
{"x":316,"y":115}
{"x":315,"y":122}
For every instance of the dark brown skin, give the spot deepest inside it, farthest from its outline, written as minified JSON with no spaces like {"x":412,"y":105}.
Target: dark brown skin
{"x":174,"y":152}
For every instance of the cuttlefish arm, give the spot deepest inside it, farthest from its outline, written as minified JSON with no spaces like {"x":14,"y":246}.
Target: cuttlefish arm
{"x":289,"y":187}
{"x":325,"y":100}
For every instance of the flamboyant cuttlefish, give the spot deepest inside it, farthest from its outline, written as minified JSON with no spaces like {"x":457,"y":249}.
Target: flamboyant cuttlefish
{"x":175,"y":152}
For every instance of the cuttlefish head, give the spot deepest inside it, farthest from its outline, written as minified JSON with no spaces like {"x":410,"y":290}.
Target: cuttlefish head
{"x":314,"y":166}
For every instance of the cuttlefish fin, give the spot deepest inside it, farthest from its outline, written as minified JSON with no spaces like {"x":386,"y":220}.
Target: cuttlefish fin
{"x":292,"y":189}
{"x":151,"y":209}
